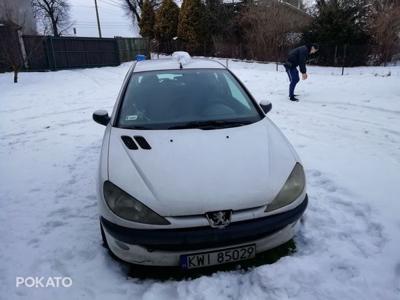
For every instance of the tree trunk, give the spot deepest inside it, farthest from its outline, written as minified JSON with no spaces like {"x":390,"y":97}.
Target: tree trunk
{"x":55,"y":29}
{"x":138,"y":18}
{"x":54,"y":25}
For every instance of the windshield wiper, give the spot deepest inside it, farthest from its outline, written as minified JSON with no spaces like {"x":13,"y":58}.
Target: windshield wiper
{"x":207,"y":125}
{"x":139,"y":127}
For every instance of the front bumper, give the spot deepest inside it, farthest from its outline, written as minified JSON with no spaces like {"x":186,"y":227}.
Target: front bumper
{"x":163,"y":247}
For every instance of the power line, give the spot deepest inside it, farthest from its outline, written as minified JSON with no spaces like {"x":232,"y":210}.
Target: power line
{"x":107,"y":25}
{"x":113,"y":1}
{"x":80,"y":5}
{"x":110,"y":3}
{"x":89,"y":24}
{"x":92,"y":6}
{"x":94,"y":23}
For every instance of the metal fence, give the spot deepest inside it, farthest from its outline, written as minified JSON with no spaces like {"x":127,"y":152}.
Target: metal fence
{"x":56,"y":53}
{"x":81,"y":52}
{"x":128,"y":48}
{"x":76,"y":52}
{"x":35,"y":47}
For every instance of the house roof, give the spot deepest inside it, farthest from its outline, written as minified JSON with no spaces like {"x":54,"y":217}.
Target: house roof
{"x":10,"y":24}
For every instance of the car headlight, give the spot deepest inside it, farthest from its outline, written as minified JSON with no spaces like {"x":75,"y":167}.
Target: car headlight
{"x":127,"y":207}
{"x":292,"y":189}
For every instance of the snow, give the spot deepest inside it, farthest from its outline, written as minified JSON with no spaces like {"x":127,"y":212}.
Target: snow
{"x":346,"y":129}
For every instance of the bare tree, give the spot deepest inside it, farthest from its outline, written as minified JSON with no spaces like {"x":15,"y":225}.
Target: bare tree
{"x":13,"y":55}
{"x":385,"y":29}
{"x":270,"y":27}
{"x":10,"y":52}
{"x":135,"y":7}
{"x":53,"y":14}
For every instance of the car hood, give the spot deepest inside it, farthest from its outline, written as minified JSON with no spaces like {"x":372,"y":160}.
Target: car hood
{"x":193,"y":171}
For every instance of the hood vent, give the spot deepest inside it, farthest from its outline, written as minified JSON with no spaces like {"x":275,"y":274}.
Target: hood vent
{"x":128,"y":141}
{"x":142,"y":142}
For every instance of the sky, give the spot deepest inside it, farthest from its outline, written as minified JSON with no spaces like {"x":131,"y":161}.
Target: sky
{"x":113,"y":19}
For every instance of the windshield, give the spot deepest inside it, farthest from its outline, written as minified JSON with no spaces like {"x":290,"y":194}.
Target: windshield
{"x":178,"y":99}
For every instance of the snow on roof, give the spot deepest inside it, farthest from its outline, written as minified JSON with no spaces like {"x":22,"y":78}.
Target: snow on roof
{"x":173,"y":64}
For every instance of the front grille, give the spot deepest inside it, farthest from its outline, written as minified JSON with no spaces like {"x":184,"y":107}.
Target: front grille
{"x":183,"y":239}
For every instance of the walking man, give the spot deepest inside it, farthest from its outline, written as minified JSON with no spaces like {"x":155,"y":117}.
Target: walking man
{"x":297,"y":58}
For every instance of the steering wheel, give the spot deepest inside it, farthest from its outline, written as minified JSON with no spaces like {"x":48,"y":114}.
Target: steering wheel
{"x":217,"y":107}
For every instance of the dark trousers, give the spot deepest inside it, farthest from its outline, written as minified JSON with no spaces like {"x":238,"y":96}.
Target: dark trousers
{"x":294,"y":79}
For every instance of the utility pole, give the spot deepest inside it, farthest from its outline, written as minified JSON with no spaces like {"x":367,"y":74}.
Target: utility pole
{"x":98,"y":19}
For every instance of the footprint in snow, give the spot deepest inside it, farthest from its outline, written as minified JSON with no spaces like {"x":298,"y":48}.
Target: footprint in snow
{"x":317,"y":180}
{"x":344,"y":270}
{"x":397,"y":273}
{"x":34,"y":242}
{"x":338,"y":215}
{"x":51,"y":225}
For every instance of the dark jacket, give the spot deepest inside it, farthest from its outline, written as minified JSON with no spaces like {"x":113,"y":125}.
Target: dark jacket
{"x":298,"y":57}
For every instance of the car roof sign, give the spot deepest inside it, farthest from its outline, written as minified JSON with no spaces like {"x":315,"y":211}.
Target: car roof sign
{"x":182,"y":57}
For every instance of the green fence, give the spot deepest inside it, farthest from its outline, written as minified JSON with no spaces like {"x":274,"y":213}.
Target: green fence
{"x":130,"y":47}
{"x":57,"y":53}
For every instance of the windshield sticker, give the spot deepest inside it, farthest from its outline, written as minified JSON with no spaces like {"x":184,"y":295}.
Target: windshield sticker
{"x":131,"y":118}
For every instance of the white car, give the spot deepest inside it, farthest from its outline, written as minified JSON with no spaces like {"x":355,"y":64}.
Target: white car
{"x":192,"y":172}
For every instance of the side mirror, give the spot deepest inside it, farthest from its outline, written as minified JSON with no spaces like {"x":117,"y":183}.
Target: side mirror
{"x":101,"y":117}
{"x":266,"y":106}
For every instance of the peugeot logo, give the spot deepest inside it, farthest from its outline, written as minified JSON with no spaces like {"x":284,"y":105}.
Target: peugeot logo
{"x":219,"y":219}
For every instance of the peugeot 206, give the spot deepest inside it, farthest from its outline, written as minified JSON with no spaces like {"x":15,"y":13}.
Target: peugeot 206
{"x":192,"y":171}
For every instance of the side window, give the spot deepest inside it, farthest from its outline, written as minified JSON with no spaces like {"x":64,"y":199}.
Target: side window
{"x":236,"y":93}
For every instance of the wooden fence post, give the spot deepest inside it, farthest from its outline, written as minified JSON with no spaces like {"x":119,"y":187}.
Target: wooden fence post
{"x":117,"y":50}
{"x":344,"y":58}
{"x":54,"y":66}
{"x":335,"y":57}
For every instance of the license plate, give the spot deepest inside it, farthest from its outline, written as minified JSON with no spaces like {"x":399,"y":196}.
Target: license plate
{"x":198,"y":260}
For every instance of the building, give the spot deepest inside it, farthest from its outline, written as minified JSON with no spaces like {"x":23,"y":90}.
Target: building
{"x":19,"y":12}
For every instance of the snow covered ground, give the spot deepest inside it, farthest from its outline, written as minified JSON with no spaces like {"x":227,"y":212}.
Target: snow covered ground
{"x":346,"y":129}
